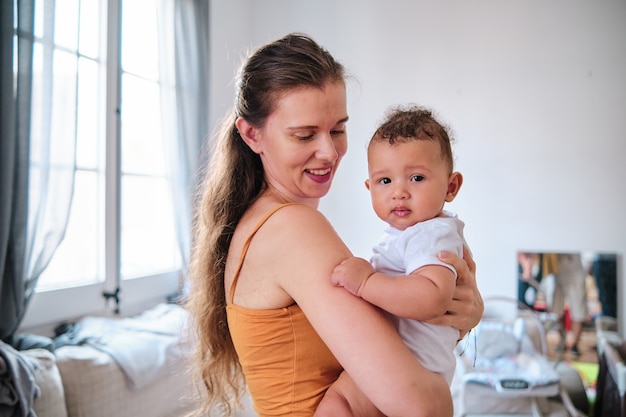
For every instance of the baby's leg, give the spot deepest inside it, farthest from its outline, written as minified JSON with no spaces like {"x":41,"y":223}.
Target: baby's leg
{"x":345,"y":399}
{"x":334,"y":404}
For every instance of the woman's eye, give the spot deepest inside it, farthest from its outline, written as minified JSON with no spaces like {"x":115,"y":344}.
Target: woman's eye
{"x":337,"y":132}
{"x":417,"y":178}
{"x":304,"y":137}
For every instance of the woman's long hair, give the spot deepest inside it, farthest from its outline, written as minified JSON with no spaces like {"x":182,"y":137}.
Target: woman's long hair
{"x":234,"y":179}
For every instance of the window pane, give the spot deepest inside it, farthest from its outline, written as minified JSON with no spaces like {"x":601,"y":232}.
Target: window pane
{"x":148,"y":236}
{"x":53,"y":124}
{"x":76,"y":260}
{"x":142,"y":141}
{"x":38,"y":106}
{"x":39,"y":18}
{"x":90,"y":28}
{"x":63,"y":105}
{"x":140,"y":53}
{"x":90,"y":129}
{"x":66,"y":24}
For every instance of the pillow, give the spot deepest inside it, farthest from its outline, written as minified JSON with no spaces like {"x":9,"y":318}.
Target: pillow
{"x":51,"y":401}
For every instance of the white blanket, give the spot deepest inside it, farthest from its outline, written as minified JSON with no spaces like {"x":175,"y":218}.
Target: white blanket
{"x":145,"y":346}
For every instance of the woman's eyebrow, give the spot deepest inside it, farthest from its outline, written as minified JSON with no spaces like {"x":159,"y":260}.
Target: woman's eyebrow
{"x":340,"y":121}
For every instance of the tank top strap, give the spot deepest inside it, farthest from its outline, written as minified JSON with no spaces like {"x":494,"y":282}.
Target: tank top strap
{"x":246,"y":245}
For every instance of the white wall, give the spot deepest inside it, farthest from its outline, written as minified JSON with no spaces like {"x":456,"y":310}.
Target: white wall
{"x":535,"y":92}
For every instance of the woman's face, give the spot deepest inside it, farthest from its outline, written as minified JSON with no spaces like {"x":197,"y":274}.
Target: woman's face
{"x":303,"y":141}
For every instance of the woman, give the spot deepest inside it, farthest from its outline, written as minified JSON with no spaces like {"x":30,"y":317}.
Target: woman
{"x":264,"y":308}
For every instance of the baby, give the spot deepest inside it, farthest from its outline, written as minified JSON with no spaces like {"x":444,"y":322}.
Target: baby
{"x":411,"y":177}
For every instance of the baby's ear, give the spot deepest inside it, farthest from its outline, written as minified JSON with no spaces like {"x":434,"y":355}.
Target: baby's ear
{"x":249,"y":134}
{"x":455,"y":181}
{"x":367,"y":183}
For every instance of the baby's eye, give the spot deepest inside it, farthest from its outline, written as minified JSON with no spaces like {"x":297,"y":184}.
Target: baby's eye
{"x":384,"y":181}
{"x":417,"y":178}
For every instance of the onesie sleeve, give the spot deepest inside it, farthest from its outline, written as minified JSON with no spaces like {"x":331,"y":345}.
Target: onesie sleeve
{"x":425,"y":240}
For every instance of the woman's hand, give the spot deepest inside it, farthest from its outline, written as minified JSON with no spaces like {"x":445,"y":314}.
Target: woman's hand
{"x":466,"y":308}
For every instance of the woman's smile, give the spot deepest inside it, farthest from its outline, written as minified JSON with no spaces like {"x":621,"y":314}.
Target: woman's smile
{"x":320,"y":175}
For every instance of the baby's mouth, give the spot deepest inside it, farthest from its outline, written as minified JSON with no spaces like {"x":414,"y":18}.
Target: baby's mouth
{"x":401,"y":211}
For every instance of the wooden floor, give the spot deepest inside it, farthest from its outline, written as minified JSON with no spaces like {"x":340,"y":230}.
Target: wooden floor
{"x":587,"y":346}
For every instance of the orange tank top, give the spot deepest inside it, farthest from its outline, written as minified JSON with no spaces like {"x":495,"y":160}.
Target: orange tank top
{"x":287,"y":366}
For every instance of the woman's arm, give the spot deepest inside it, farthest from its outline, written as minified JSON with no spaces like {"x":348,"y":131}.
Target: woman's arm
{"x":359,"y":335}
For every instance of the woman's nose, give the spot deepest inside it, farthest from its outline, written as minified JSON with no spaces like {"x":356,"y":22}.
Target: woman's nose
{"x":327,"y":150}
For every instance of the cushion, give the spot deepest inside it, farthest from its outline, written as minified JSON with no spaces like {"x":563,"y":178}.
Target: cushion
{"x":95,"y":386}
{"x":51,"y":401}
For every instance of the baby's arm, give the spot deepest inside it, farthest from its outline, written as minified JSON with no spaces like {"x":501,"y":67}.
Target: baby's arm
{"x":422,"y":295}
{"x":427,"y":289}
{"x":352,"y":274}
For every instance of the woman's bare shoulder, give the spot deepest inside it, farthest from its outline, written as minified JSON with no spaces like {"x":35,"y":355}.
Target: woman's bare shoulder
{"x":298,"y":220}
{"x":299,"y":236}
{"x":289,"y":249}
{"x":301,"y":215}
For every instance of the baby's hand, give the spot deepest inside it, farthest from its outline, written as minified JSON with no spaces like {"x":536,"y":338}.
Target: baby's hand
{"x":352,"y":274}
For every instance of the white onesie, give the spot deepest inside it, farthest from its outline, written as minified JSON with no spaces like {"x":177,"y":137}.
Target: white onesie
{"x":401,"y":252}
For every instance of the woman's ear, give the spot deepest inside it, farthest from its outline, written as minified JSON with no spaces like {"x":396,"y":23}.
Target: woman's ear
{"x":455,"y":180}
{"x":249,"y":134}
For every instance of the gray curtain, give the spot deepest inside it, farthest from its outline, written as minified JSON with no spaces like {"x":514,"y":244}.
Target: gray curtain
{"x":15,"y":103}
{"x":38,"y":156}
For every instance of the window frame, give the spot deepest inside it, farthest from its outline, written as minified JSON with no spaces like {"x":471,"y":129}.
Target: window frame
{"x":47,"y":308}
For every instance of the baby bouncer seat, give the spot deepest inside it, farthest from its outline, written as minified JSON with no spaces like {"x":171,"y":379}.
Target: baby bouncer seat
{"x":503,"y":368}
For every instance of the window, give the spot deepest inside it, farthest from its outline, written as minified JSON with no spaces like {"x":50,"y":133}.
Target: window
{"x":97,"y":81}
{"x":146,"y":199}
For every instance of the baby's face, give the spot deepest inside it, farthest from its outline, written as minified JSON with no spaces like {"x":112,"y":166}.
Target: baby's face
{"x":408,"y":182}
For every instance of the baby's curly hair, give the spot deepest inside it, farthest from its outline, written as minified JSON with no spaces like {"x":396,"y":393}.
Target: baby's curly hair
{"x":406,"y":123}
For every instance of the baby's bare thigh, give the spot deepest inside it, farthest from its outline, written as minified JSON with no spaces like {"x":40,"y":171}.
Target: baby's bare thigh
{"x":345,"y":399}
